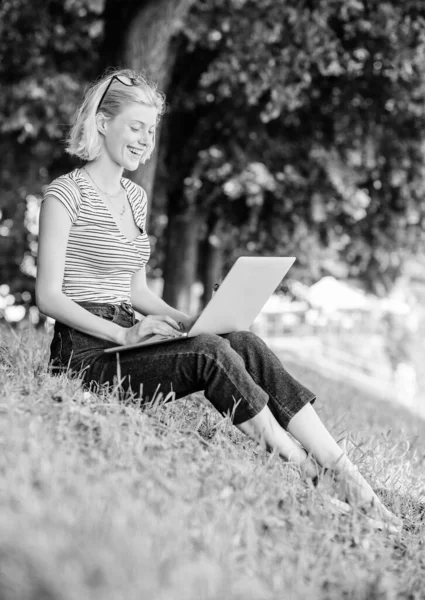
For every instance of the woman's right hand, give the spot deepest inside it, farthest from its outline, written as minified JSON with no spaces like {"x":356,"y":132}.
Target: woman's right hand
{"x":152,"y":325}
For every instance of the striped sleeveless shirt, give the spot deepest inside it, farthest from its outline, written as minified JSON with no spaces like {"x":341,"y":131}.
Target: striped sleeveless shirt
{"x":100,"y":261}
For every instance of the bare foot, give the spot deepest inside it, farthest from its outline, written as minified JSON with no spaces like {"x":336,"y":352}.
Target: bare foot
{"x":342,"y":508}
{"x":359,"y":493}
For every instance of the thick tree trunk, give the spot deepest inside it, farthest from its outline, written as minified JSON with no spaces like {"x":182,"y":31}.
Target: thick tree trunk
{"x":182,"y":258}
{"x":142,"y":32}
{"x":212,"y":267}
{"x":147,"y":30}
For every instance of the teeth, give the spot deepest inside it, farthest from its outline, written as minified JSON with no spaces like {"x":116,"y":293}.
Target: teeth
{"x":135,"y":152}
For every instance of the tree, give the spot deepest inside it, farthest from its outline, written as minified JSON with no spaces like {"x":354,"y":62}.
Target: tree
{"x":294,"y":127}
{"x":329,"y":98}
{"x":48,"y":50}
{"x":58,"y":48}
{"x":140,"y":35}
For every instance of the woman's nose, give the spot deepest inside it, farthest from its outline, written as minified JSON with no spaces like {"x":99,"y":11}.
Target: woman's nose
{"x":144,"y":137}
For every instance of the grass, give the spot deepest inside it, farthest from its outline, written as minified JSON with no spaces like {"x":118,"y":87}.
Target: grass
{"x":103,"y":501}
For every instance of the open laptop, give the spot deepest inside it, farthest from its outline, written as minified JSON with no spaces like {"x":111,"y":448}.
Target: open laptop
{"x":238,"y":300}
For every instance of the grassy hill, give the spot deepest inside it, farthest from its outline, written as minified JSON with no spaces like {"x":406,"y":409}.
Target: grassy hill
{"x":103,"y":501}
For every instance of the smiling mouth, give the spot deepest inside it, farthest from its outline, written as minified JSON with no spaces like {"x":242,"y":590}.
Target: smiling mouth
{"x":136,"y":151}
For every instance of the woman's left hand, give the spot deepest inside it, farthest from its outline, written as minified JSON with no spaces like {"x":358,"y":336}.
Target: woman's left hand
{"x":188,"y":322}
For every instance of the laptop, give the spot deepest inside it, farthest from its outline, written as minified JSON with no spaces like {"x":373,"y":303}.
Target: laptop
{"x":236,"y":303}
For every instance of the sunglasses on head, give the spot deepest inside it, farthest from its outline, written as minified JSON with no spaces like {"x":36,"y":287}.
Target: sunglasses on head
{"x":124,"y":79}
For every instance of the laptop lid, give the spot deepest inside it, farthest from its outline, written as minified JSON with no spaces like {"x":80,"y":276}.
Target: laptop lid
{"x":240,"y":297}
{"x":242,"y":294}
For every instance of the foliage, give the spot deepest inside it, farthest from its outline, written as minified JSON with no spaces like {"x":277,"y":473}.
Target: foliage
{"x":48,"y":50}
{"x":40,"y":75}
{"x":329,"y":98}
{"x":294,"y":127}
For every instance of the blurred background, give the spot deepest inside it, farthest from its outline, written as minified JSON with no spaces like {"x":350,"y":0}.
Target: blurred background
{"x":293,"y":128}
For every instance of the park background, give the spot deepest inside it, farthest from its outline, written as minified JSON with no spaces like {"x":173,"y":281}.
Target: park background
{"x":293,"y":128}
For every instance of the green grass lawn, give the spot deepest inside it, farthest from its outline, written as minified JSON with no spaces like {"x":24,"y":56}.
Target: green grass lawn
{"x":103,"y":501}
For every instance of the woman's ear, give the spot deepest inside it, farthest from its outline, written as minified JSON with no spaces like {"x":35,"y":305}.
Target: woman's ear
{"x":101,"y":122}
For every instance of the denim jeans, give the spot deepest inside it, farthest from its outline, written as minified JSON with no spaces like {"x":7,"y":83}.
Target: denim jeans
{"x":238,"y":373}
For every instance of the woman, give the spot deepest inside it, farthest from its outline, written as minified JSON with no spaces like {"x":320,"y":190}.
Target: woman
{"x":93,"y":249}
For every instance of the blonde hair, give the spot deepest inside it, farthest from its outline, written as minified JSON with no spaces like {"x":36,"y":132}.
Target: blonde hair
{"x":84,"y":139}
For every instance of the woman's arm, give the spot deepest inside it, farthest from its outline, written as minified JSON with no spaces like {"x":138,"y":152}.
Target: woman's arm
{"x":55,"y":225}
{"x":147,"y":302}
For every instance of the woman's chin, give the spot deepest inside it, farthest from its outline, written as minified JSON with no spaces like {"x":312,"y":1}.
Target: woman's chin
{"x":131,"y":165}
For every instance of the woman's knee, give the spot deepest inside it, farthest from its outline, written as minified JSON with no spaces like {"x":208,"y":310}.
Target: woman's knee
{"x":244,"y":339}
{"x":210,"y":344}
{"x":245,"y":334}
{"x":214,"y":356}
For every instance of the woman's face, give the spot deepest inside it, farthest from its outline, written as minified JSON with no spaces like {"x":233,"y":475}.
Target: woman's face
{"x":129,"y":137}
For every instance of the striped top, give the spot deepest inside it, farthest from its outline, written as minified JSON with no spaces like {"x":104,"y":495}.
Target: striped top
{"x":100,"y":261}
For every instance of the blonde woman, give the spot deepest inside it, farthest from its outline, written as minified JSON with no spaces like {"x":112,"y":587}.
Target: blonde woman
{"x":93,"y":250}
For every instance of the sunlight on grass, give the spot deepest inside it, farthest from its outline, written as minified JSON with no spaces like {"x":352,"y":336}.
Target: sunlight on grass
{"x":105,"y":501}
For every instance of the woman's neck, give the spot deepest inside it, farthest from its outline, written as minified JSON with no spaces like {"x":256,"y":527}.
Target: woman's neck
{"x":108,"y":175}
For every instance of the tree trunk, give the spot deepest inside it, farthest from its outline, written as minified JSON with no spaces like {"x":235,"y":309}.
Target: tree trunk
{"x":146,"y":29}
{"x":212,"y":267}
{"x":182,"y":259}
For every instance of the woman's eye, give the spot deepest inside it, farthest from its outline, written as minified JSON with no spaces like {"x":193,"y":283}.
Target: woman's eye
{"x":138,"y":130}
